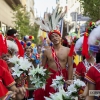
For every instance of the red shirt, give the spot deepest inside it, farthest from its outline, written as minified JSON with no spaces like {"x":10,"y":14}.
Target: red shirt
{"x":93,"y":76}
{"x":4,"y":64}
{"x":80,"y":70}
{"x":6,"y":80}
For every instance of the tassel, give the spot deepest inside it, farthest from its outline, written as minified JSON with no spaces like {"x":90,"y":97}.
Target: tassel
{"x":85,"y":46}
{"x":71,"y":50}
{"x":21,"y":50}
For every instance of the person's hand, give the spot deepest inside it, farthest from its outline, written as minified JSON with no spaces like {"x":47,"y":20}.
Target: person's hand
{"x":22,"y":90}
{"x":68,"y":82}
{"x":21,"y":93}
{"x":82,"y":96}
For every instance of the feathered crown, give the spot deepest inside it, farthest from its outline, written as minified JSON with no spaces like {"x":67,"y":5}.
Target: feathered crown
{"x":12,"y":46}
{"x":94,"y":39}
{"x":50,"y":22}
{"x":78,"y":45}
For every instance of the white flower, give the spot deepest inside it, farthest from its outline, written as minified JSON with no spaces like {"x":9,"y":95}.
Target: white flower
{"x":16,"y":71}
{"x":79,"y":83}
{"x":56,"y":83}
{"x":24,"y":64}
{"x":72,"y":88}
{"x":41,"y":70}
{"x":32,"y":72}
{"x":14,"y":59}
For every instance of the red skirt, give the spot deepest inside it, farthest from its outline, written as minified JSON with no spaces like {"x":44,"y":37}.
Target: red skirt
{"x":40,"y":93}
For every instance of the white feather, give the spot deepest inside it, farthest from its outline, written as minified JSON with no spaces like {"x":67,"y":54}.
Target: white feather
{"x":12,"y":45}
{"x":79,"y":43}
{"x":94,"y":36}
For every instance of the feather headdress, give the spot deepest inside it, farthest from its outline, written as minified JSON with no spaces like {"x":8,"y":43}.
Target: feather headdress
{"x":78,"y":45}
{"x":12,"y":46}
{"x":50,"y":22}
{"x":94,"y":39}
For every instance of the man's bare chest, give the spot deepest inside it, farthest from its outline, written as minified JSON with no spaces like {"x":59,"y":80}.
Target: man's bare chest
{"x":60,"y":55}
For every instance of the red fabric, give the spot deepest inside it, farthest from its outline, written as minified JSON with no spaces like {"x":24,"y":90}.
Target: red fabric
{"x":4,"y":64}
{"x":21,"y":50}
{"x":6,"y":80}
{"x":49,"y":89}
{"x":40,"y":93}
{"x":80,"y":69}
{"x":93,"y":76}
{"x":3,"y":47}
{"x":54,"y":31}
{"x":74,"y":65}
{"x":3,"y":89}
{"x":85,"y":46}
{"x":56,"y":61}
{"x":6,"y":77}
{"x":71,"y":50}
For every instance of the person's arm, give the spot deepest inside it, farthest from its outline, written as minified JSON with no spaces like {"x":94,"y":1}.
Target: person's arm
{"x":44,"y":58}
{"x":70,"y":68}
{"x":90,"y":87}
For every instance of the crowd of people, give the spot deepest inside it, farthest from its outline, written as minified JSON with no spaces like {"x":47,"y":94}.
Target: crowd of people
{"x":57,"y":56}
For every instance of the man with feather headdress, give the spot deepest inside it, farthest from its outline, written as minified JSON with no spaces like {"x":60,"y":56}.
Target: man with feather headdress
{"x":56,"y":56}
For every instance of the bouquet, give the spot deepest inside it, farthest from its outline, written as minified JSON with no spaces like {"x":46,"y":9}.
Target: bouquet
{"x":56,"y":83}
{"x":70,"y":94}
{"x":20,"y":68}
{"x":38,"y":76}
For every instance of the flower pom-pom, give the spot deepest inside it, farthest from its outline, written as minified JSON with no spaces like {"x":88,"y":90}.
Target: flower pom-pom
{"x":29,"y":44}
{"x":30,"y":37}
{"x":22,"y":43}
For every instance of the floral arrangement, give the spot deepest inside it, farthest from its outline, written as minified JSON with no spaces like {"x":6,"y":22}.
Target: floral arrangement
{"x":21,"y":65}
{"x":58,"y":82}
{"x":38,"y":76}
{"x":70,"y":94}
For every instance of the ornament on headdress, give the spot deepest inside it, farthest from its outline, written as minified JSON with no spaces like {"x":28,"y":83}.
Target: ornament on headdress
{"x":72,"y":46}
{"x":94,"y":40}
{"x":50,"y":22}
{"x":32,"y":45}
{"x":85,"y":41}
{"x":28,"y":37}
{"x":78,"y":46}
{"x":3,"y":47}
{"x":28,"y":43}
{"x":23,"y":43}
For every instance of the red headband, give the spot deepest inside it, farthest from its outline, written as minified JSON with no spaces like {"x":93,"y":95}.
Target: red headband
{"x":54,"y":31}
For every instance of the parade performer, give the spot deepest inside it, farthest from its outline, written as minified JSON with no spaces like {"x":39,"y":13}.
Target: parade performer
{"x":86,"y":63}
{"x":93,"y":75}
{"x":56,"y":56}
{"x":12,"y":35}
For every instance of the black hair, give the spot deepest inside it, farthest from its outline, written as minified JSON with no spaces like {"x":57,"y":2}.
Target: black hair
{"x":98,"y":57}
{"x":10,"y":32}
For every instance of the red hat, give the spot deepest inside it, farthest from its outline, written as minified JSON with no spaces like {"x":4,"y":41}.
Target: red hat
{"x":54,"y":31}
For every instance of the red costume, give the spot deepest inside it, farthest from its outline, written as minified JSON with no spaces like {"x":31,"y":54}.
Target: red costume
{"x":80,"y":70}
{"x":93,"y":76}
{"x":6,"y":80}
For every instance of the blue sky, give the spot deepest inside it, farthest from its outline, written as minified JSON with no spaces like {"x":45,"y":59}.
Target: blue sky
{"x":42,"y":5}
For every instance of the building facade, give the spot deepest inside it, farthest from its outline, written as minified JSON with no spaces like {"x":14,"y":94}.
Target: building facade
{"x":6,"y":12}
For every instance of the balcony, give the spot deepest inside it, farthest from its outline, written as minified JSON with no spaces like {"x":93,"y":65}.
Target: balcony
{"x":13,"y":2}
